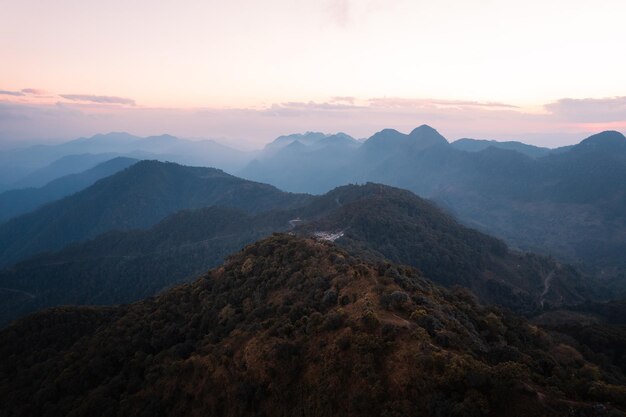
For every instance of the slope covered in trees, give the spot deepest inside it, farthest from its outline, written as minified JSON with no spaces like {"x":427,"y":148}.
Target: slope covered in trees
{"x":294,"y":326}
{"x":378,"y":222}
{"x":137,"y":197}
{"x":20,"y":201}
{"x":569,"y":203}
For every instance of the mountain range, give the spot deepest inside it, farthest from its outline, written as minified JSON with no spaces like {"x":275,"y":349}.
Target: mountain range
{"x":375,"y":222}
{"x":569,"y":202}
{"x":36,"y":165}
{"x":357,"y":300}
{"x":136,"y":197}
{"x":24,"y":200}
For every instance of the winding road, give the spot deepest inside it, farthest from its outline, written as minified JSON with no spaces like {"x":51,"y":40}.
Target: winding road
{"x":546,"y":286}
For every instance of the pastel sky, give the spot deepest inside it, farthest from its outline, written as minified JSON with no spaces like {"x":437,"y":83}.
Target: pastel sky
{"x":547,"y":72}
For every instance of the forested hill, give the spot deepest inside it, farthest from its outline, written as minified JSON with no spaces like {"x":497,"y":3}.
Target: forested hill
{"x":377,"y":222}
{"x":20,"y":201}
{"x":569,"y":202}
{"x":385,"y":222}
{"x":136,"y":197}
{"x":290,"y":326}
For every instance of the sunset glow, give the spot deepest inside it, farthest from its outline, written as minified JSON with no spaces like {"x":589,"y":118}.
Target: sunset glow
{"x":250,"y":71}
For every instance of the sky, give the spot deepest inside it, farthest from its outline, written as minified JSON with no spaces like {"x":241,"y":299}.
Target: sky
{"x":547,"y":72}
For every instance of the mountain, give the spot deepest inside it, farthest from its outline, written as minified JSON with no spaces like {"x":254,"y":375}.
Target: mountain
{"x":374,"y":222}
{"x":294,"y":326}
{"x":123,"y":267}
{"x":16,"y":202}
{"x":477,"y":145}
{"x":67,"y":165}
{"x":570,"y":203}
{"x":36,"y":165}
{"x":390,"y":141}
{"x":610,"y":140}
{"x":318,"y":171}
{"x":307,"y":138}
{"x":136,"y":197}
{"x":311,"y":140}
{"x":388,"y":223}
{"x":314,"y":158}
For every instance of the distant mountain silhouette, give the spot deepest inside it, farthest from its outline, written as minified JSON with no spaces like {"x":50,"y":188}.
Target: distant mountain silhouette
{"x":390,"y":141}
{"x":477,"y":145}
{"x":603,"y":142}
{"x":16,"y":202}
{"x":136,"y":197}
{"x":36,"y":165}
{"x":311,"y":140}
{"x":66,"y":165}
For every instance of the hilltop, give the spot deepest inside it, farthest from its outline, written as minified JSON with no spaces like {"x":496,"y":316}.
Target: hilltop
{"x":292,"y":324}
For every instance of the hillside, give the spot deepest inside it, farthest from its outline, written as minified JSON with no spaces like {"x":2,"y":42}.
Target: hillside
{"x":394,"y":224}
{"x":569,"y":203}
{"x":377,"y":223}
{"x":16,"y":202}
{"x":477,"y":145}
{"x":291,"y":326}
{"x":39,"y":164}
{"x":136,"y":197}
{"x":123,"y":267}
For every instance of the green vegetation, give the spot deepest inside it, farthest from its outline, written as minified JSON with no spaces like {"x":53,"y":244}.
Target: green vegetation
{"x":137,"y":197}
{"x":293,"y":326}
{"x":569,"y":203}
{"x":379,"y":223}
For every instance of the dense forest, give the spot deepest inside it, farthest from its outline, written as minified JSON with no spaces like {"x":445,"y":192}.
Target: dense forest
{"x":137,"y":197}
{"x":293,"y":326}
{"x":378,"y":222}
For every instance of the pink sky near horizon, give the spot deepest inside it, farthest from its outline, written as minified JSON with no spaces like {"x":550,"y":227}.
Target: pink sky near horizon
{"x":547,"y":73}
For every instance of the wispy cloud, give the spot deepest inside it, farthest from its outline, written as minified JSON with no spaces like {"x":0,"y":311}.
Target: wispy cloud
{"x":589,"y":110}
{"x":11,"y":93}
{"x":561,"y":124}
{"x":343,"y":99}
{"x":408,"y":102}
{"x":34,"y":91}
{"x":98,"y":99}
{"x":339,"y":11}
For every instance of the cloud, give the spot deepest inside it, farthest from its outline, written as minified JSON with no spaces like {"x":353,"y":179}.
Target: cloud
{"x":360,"y":118}
{"x":425,"y":103}
{"x":339,"y":11}
{"x":589,"y":110}
{"x":297,"y":108}
{"x":11,"y":93}
{"x":34,"y":91}
{"x":98,"y":99}
{"x":346,"y":99}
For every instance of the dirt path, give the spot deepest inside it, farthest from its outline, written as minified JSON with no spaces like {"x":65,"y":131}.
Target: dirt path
{"x":27,"y":294}
{"x":546,"y":286}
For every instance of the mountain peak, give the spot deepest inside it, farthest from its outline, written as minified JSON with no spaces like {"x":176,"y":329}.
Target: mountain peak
{"x":385,"y":134}
{"x":420,"y":138}
{"x":114,"y":136}
{"x":423,"y":128}
{"x":607,"y":140}
{"x":296,"y":145}
{"x":426,"y":133}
